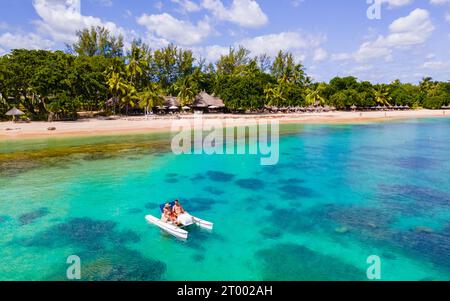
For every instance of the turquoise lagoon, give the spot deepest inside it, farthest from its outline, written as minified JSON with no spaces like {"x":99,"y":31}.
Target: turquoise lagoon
{"x":339,"y":194}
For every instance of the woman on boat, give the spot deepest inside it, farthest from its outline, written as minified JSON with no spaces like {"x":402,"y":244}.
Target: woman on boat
{"x":167,"y":215}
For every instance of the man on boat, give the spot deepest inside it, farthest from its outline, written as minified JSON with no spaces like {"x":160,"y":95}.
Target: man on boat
{"x":177,"y":209}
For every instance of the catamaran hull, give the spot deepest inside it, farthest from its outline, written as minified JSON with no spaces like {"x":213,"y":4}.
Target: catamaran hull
{"x":171,"y":229}
{"x":203,"y":224}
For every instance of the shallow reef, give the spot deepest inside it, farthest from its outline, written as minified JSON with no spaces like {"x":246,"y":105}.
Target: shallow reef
{"x":30,"y":217}
{"x":218,"y":176}
{"x":82,"y":233}
{"x":298,"y":263}
{"x":250,"y":184}
{"x":296,"y":192}
{"x":118,"y":264}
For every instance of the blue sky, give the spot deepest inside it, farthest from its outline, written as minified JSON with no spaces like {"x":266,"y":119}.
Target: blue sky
{"x":411,"y":39}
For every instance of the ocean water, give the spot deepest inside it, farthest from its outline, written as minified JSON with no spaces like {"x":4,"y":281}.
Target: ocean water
{"x":339,"y":194}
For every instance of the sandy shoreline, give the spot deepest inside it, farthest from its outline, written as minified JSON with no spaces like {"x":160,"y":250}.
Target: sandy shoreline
{"x":136,"y":125}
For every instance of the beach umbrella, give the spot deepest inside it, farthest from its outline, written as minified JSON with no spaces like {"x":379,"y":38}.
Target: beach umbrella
{"x":213,"y":107}
{"x":186,"y":108}
{"x":353,"y":107}
{"x":173,"y":108}
{"x":14,"y":112}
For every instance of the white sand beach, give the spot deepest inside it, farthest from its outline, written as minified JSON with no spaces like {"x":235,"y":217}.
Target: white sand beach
{"x":133,"y":125}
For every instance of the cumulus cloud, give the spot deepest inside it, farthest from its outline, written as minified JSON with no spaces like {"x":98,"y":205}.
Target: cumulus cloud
{"x":296,"y":42}
{"x":187,"y":5}
{"x":412,"y":30}
{"x":170,"y":28}
{"x":23,"y":41}
{"x":245,"y":13}
{"x":300,"y":44}
{"x":61,"y":19}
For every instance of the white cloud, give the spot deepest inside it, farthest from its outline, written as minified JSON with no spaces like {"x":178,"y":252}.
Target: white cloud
{"x":412,"y":30}
{"x":211,"y":53}
{"x":295,"y":42}
{"x":320,"y":54}
{"x":440,"y":2}
{"x":23,"y":41}
{"x":436,"y":65}
{"x":173,"y":29}
{"x":187,"y":5}
{"x":299,"y":44}
{"x":343,"y":56}
{"x":396,"y":3}
{"x":246,"y":13}
{"x":61,"y":19}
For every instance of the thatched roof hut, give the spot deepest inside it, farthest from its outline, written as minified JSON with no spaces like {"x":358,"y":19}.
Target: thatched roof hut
{"x":171,"y":102}
{"x":204,"y":100}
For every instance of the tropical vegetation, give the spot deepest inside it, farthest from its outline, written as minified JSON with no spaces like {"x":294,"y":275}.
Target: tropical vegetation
{"x":96,"y":74}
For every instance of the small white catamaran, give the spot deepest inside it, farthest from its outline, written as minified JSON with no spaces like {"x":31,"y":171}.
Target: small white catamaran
{"x":185,"y":220}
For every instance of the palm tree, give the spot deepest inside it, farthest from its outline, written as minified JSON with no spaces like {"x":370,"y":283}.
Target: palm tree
{"x":382,"y":96}
{"x":186,"y":91}
{"x":150,"y":97}
{"x":275,"y":94}
{"x":314,"y":97}
{"x":117,"y":85}
{"x":137,"y":62}
{"x":129,"y":98}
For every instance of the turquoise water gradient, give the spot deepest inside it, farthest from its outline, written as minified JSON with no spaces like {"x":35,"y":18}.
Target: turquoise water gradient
{"x":339,"y":194}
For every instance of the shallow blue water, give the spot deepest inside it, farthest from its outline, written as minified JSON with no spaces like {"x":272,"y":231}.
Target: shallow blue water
{"x":339,"y":194}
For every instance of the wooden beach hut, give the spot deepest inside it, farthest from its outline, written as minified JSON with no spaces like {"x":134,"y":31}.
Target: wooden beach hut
{"x":206,"y":102}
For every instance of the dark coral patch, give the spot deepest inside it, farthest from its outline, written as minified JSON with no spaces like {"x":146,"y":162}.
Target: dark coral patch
{"x":30,"y":217}
{"x":368,"y":222}
{"x":270,"y":233}
{"x":250,"y":184}
{"x":291,"y":181}
{"x":414,"y":162}
{"x":213,"y":190}
{"x":81,"y":232}
{"x":295,"y":192}
{"x":199,"y":204}
{"x":218,"y":176}
{"x":198,"y":257}
{"x":3,"y":218}
{"x":433,"y":245}
{"x":171,"y":180}
{"x":198,"y":177}
{"x":298,"y":263}
{"x":119,"y":264}
{"x":424,"y":197}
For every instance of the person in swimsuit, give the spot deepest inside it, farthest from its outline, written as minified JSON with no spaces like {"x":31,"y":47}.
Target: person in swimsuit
{"x":167,"y":215}
{"x":177,"y":209}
